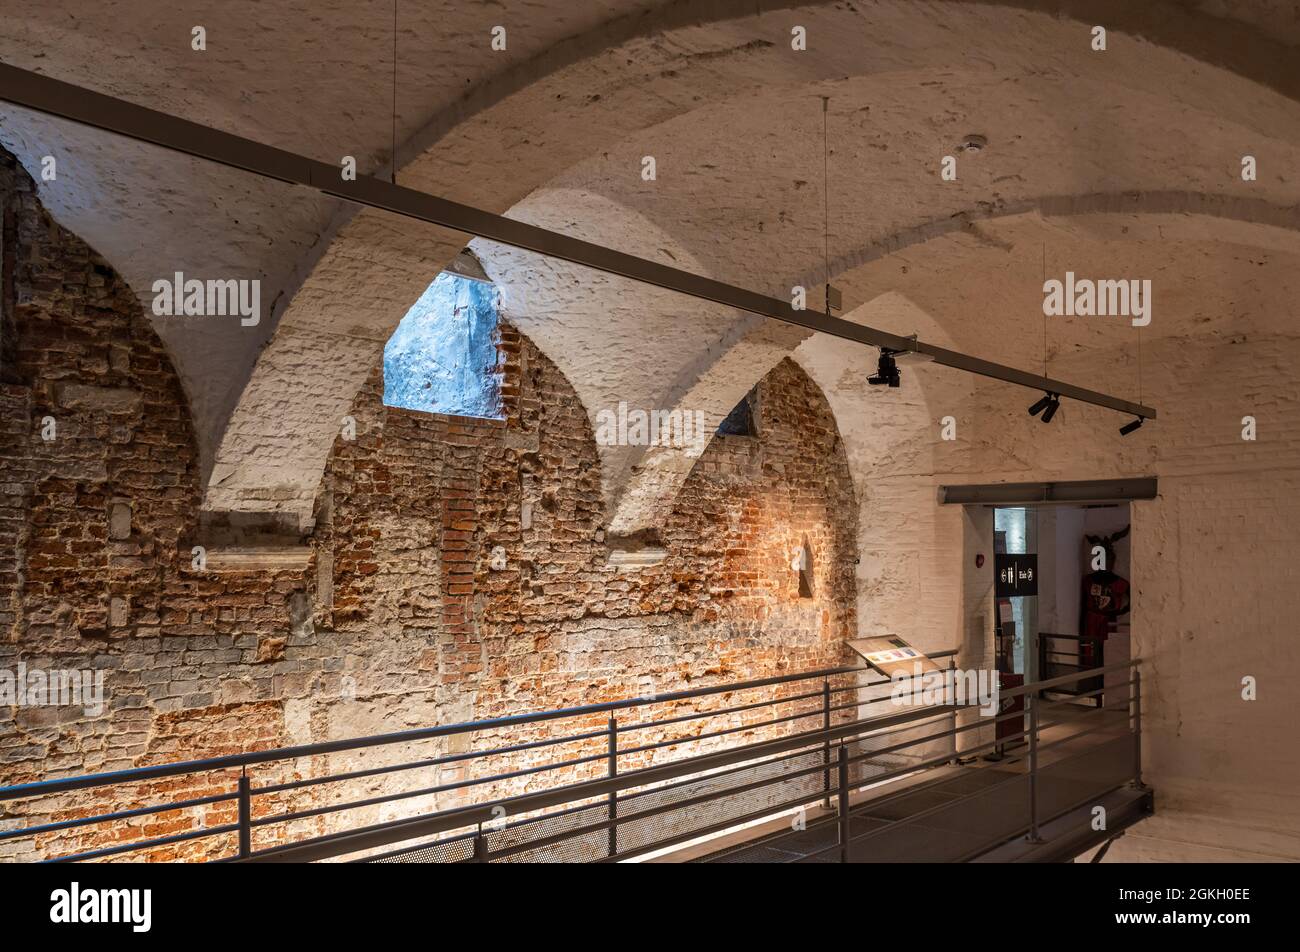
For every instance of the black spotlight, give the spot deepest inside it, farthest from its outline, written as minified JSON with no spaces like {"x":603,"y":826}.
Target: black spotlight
{"x":1047,"y":405}
{"x":886,"y":374}
{"x":1128,"y":428}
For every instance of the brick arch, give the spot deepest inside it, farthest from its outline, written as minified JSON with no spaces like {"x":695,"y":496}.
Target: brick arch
{"x":98,"y":511}
{"x":413,"y":510}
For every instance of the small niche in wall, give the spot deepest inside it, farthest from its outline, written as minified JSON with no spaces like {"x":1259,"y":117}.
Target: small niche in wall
{"x":805,"y":565}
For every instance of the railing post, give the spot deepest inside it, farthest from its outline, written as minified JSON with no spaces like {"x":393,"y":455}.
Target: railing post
{"x":1137,"y":730}
{"x":245,"y":815}
{"x":952,"y":696}
{"x":844,"y":803}
{"x":613,"y":794}
{"x":1031,"y":701}
{"x":480,"y":846}
{"x":826,"y":745}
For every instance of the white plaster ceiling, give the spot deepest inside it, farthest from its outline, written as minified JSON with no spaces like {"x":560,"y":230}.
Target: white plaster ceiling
{"x":553,"y":132}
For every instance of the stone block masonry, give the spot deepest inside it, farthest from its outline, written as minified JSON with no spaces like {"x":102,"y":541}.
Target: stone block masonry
{"x":458,"y":566}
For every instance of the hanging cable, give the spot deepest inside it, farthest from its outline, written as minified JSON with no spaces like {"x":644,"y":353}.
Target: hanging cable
{"x":1044,"y":311}
{"x":826,"y":204}
{"x":394,"y":154}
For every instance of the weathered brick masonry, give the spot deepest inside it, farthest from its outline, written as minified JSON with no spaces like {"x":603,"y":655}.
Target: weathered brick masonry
{"x":399,"y":619}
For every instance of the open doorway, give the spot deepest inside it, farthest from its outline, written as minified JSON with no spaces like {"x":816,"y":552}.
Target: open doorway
{"x":1063,"y":596}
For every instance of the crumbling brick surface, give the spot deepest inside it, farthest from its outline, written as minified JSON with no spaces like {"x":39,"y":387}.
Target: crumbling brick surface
{"x":399,"y":619}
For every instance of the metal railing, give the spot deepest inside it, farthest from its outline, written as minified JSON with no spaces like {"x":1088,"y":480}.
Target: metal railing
{"x":609,"y":786}
{"x":1088,"y":652}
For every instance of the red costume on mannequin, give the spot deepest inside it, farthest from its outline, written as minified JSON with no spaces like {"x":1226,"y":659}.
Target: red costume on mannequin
{"x":1105,"y":598}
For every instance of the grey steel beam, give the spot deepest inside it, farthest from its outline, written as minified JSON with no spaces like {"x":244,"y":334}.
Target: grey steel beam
{"x":1076,"y":492}
{"x":86,"y":107}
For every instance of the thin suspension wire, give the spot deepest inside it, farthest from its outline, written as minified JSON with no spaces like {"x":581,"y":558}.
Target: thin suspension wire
{"x":826,"y":203}
{"x":394,"y":153}
{"x":1044,"y":312}
{"x":1139,"y":363}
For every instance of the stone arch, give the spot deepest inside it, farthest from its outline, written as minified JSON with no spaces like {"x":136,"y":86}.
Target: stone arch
{"x":897,"y":454}
{"x":100,"y":451}
{"x":327,"y":335}
{"x":755,"y":344}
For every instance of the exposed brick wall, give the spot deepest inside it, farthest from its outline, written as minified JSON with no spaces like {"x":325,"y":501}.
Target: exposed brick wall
{"x":415,"y":492}
{"x":398,"y":620}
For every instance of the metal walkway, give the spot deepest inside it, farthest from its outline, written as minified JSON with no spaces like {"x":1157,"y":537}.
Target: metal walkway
{"x":958,"y":814}
{"x":710,"y":773}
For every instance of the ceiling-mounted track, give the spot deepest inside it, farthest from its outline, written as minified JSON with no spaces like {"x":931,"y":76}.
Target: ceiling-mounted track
{"x":67,"y":101}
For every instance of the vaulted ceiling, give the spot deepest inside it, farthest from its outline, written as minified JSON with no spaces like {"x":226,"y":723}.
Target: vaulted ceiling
{"x":1120,"y":163}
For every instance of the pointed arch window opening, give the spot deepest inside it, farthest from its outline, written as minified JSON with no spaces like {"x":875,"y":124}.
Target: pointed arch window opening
{"x":743,"y":418}
{"x":443,"y":357}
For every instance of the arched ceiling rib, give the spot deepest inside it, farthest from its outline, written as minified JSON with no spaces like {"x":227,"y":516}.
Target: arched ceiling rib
{"x":711,"y":89}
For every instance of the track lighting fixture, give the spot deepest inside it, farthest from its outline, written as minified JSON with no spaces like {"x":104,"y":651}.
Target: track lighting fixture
{"x":1047,"y":405}
{"x":1128,"y":428}
{"x":887,"y":373}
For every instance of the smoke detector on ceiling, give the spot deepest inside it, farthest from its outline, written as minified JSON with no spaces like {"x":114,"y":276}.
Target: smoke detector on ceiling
{"x":973,"y":143}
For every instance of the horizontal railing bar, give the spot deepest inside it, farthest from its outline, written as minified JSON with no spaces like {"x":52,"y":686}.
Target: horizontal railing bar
{"x":431,"y":762}
{"x":814,"y":745}
{"x":623,"y":729}
{"x":621,"y":818}
{"x":974,"y":725}
{"x":632,"y":795}
{"x":119,"y":815}
{"x":404,"y":795}
{"x":796,"y":774}
{"x":425,"y":791}
{"x":618,"y":821}
{"x":1072,"y":703}
{"x":813,"y":712}
{"x":280,"y":818}
{"x":147,"y":844}
{"x":383,"y":834}
{"x":336,"y":808}
{"x":1067,"y":704}
{"x":1068,"y":678}
{"x":946,"y":757}
{"x":135,"y":774}
{"x":874,"y":732}
{"x":678,"y":741}
{"x":740,"y":708}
